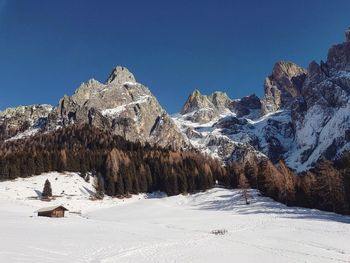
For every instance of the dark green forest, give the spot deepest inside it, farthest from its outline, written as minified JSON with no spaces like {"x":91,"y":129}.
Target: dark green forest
{"x":123,"y":168}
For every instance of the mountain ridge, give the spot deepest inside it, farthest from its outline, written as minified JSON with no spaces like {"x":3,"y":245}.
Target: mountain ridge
{"x":293,"y":121}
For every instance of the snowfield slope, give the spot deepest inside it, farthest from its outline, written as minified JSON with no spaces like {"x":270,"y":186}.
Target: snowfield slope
{"x":155,"y":228}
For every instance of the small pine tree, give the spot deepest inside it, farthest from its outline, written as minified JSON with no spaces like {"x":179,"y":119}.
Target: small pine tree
{"x":47,"y":191}
{"x":87,"y":178}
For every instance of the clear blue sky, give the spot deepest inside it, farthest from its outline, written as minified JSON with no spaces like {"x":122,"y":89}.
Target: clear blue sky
{"x":47,"y":48}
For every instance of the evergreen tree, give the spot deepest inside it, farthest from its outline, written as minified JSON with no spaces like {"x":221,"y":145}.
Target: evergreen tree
{"x":47,"y":191}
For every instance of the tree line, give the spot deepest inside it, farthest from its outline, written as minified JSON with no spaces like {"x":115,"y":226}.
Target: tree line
{"x":124,"y":168}
{"x":325,"y":187}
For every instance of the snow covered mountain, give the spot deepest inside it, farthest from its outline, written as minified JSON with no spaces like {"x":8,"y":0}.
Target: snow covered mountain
{"x":121,"y":105}
{"x":23,"y":121}
{"x":304,"y":114}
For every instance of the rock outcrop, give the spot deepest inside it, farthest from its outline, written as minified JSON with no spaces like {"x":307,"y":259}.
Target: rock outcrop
{"x":23,"y":120}
{"x":323,"y":122}
{"x":121,"y":75}
{"x":282,"y":86}
{"x":121,"y":105}
{"x":202,"y":108}
{"x":248,"y":107}
{"x":308,"y":116}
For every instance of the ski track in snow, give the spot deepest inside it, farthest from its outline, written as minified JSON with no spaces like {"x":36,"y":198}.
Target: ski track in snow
{"x":155,"y":228}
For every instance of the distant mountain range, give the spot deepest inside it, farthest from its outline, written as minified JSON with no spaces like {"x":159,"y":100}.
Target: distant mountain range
{"x":304,"y":114}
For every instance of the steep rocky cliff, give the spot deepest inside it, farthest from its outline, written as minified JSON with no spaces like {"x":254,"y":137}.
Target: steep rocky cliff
{"x":282,"y":86}
{"x":321,"y":115}
{"x":202,"y":108}
{"x":121,"y":105}
{"x":304,"y":114}
{"x":23,"y":120}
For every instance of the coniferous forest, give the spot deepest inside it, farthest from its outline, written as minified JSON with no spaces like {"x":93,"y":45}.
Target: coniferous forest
{"x":124,"y":168}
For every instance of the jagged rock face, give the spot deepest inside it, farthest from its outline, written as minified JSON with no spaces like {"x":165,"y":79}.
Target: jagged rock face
{"x":196,"y":101}
{"x":122,"y":105}
{"x":320,"y":113}
{"x":323,"y":122}
{"x":121,"y":75}
{"x":241,"y":138}
{"x":347,"y":35}
{"x":23,"y":120}
{"x":247,"y":106}
{"x":165,"y":133}
{"x":339,"y":56}
{"x":244,"y":153}
{"x":220,"y":100}
{"x":201,"y":108}
{"x":309,"y":116}
{"x":282,"y":86}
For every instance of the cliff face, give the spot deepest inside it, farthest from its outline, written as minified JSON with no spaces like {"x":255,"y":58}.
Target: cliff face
{"x":282,"y":86}
{"x":23,"y":120}
{"x":321,"y":116}
{"x":304,"y":114}
{"x":202,"y":108}
{"x":121,"y":105}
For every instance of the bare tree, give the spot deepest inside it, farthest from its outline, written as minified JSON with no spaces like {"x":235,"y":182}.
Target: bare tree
{"x":244,"y":185}
{"x":287,"y":189}
{"x":330,"y":187}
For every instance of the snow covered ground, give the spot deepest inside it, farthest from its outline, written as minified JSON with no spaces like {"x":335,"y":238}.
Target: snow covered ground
{"x":155,"y":228}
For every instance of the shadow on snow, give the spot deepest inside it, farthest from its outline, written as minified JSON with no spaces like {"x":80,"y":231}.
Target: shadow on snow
{"x":263,"y":205}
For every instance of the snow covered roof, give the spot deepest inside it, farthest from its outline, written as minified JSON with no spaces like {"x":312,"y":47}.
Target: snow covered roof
{"x":51,"y":208}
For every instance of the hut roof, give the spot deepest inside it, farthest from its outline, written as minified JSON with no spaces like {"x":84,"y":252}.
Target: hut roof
{"x":51,"y":208}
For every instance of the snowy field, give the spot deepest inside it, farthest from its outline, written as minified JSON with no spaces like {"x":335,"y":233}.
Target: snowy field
{"x":155,"y":228}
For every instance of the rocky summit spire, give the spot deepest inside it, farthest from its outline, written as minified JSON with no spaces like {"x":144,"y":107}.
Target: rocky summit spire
{"x":347,"y":35}
{"x":121,"y":75}
{"x":282,"y":85}
{"x":194,"y":102}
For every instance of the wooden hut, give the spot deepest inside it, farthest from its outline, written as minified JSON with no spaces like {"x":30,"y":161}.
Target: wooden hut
{"x":53,"y":211}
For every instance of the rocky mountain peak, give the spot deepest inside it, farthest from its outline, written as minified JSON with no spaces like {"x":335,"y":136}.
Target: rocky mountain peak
{"x":282,"y":86}
{"x":220,"y":100}
{"x":205,"y":108}
{"x":29,"y":110}
{"x":122,"y":106}
{"x":286,"y":69}
{"x":120,"y":75}
{"x":248,"y":107}
{"x":196,"y":101}
{"x":347,"y":35}
{"x":196,"y":93}
{"x":338,"y":58}
{"x":23,"y":120}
